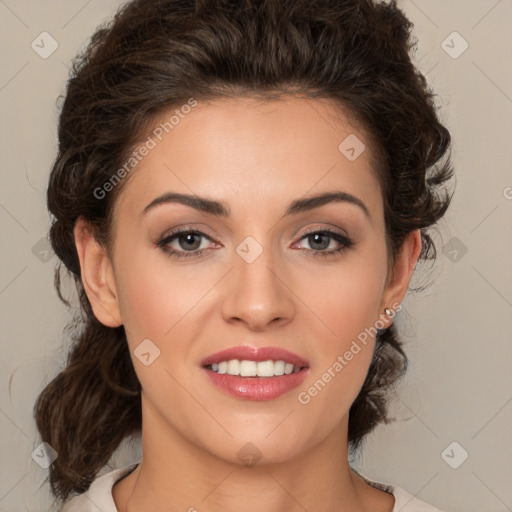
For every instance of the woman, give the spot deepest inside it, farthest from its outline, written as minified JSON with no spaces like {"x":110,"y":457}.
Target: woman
{"x":242,"y":192}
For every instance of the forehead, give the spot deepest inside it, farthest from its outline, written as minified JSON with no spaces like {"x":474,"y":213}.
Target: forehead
{"x":253,"y":152}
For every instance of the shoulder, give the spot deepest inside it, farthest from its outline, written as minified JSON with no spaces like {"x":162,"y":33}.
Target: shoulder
{"x":99,"y":495}
{"x":404,"y":501}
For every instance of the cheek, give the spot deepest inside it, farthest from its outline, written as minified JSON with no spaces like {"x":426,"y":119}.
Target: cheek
{"x":347,"y":301}
{"x":155,"y":294}
{"x":345,"y":298}
{"x":342,"y":358}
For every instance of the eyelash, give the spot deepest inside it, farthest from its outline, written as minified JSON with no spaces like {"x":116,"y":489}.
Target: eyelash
{"x":345,"y":241}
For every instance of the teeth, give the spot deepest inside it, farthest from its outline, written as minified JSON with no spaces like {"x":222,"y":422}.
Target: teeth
{"x":233,"y":367}
{"x":247,"y":368}
{"x":266,"y":368}
{"x":279,"y":368}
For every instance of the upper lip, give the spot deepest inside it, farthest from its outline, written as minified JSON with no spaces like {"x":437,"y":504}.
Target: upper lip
{"x":255,"y":354}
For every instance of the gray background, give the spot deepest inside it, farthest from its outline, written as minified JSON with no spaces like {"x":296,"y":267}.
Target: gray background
{"x":457,"y":332}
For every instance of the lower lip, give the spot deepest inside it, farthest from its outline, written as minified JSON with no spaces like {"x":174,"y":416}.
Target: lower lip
{"x":256,"y":388}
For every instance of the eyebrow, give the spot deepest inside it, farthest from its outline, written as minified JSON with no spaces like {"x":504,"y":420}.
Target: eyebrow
{"x":221,"y":209}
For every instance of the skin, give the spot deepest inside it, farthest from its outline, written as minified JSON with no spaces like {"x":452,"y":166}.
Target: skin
{"x":256,"y":156}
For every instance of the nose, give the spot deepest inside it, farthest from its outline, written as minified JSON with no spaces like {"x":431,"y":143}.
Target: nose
{"x":257,"y":294}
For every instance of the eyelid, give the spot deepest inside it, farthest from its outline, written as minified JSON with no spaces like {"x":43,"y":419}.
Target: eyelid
{"x":331,"y":228}
{"x":195,"y":226}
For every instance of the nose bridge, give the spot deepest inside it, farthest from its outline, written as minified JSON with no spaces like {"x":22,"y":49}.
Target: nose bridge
{"x":256,"y":294}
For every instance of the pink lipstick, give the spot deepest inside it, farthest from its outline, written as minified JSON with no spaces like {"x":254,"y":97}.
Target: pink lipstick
{"x":254,"y":373}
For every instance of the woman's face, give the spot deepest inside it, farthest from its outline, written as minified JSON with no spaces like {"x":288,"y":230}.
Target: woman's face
{"x":252,"y":274}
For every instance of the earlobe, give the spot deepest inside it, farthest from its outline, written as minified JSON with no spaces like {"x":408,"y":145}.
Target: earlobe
{"x":403,"y":268}
{"x":97,"y":275}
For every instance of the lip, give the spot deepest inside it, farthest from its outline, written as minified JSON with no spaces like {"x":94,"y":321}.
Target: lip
{"x":257,"y":354}
{"x":256,"y":388}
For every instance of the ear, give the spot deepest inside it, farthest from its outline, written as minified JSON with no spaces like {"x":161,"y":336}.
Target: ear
{"x":97,"y":275}
{"x":398,"y":282}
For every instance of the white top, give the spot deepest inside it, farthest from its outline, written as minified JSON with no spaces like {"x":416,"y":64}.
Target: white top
{"x":98,"y":498}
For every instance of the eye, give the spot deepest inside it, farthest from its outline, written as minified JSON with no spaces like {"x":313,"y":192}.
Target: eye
{"x":187,"y":243}
{"x":321,"y":240}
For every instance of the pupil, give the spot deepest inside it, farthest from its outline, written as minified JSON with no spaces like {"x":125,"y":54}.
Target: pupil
{"x":187,"y":238}
{"x":323,"y":246}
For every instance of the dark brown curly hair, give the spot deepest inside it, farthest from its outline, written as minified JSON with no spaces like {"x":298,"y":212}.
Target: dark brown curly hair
{"x":155,"y":55}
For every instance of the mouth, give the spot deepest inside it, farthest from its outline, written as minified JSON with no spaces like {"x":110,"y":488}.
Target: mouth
{"x":255,"y":373}
{"x":248,"y":368}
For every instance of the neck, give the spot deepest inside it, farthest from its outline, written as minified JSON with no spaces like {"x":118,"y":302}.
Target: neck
{"x":177,"y":474}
